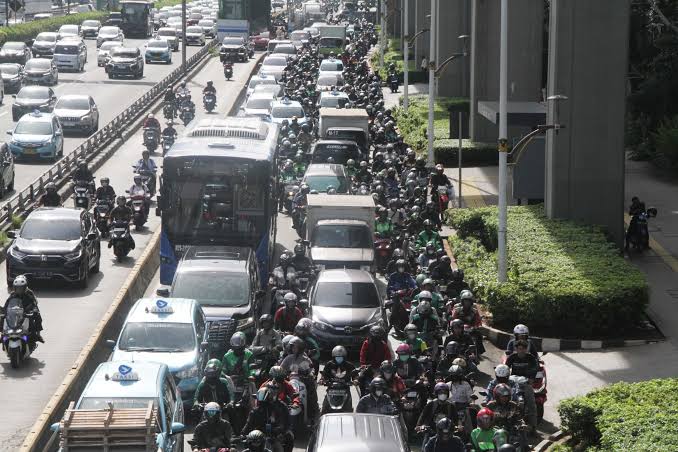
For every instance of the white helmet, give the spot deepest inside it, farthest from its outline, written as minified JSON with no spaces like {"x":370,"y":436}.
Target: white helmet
{"x":290,"y":296}
{"x":521,"y":329}
{"x":339,"y":350}
{"x":425,"y":294}
{"x":502,"y":371}
{"x":20,"y":281}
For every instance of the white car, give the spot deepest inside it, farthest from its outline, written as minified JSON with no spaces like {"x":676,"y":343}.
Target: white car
{"x":275,"y":89}
{"x":333,"y":99}
{"x":110,"y":33}
{"x":331,"y":66}
{"x":287,"y":109}
{"x":105,"y":50}
{"x":274,"y":65}
{"x":259,"y":104}
{"x":195,"y":35}
{"x":326,"y":81}
{"x":169,"y":34}
{"x":209,"y":27}
{"x":261,"y":79}
{"x":69,"y":30}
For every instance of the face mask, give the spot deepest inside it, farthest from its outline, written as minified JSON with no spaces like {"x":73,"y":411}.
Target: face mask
{"x":339,"y":359}
{"x":401,"y":270}
{"x":404,"y":357}
{"x":412,"y":335}
{"x":378,"y":393}
{"x":388,"y":375}
{"x":442,"y":397}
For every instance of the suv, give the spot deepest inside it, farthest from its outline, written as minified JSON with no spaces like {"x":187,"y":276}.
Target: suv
{"x":71,"y":53}
{"x":55,"y":243}
{"x":233,"y":47}
{"x":225,"y":281}
{"x":343,"y":305}
{"x":358,"y":431}
{"x":125,"y":61}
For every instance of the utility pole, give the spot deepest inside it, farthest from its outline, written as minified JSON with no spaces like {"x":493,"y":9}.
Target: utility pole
{"x":183,"y":35}
{"x":406,"y":56}
{"x":503,"y":143}
{"x":431,"y":83}
{"x":382,"y":32}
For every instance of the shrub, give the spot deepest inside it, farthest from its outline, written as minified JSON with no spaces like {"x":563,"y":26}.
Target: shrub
{"x":17,"y":221}
{"x":29,"y":30}
{"x":666,"y":143}
{"x":564,"y":279}
{"x":624,"y":416}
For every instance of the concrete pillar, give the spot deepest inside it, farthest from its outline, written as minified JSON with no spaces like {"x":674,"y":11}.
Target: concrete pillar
{"x":455,"y":20}
{"x":422,"y":41}
{"x":588,"y":57}
{"x":525,"y":45}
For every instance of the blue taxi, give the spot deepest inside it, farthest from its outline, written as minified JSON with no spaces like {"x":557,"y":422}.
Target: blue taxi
{"x":170,"y":331}
{"x":127,"y":384}
{"x":37,"y":134}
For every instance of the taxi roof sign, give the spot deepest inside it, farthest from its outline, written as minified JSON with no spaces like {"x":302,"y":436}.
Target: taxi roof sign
{"x":125,"y":373}
{"x":161,"y":307}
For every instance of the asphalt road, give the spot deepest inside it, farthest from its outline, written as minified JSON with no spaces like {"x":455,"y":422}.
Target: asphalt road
{"x":111,"y":96}
{"x":69,"y":314}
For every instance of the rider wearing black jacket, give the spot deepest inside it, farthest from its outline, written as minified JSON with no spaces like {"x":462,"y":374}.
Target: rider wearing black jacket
{"x":270,"y":415}
{"x":213,"y":431}
{"x":29,"y":304}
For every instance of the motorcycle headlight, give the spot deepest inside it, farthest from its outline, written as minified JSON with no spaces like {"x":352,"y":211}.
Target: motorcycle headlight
{"x":191,"y":372}
{"x":321,"y":326}
{"x":244,"y":324}
{"x":16,"y":254}
{"x":75,"y":255}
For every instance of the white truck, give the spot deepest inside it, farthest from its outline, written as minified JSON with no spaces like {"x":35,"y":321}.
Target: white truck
{"x":233,"y":27}
{"x":312,"y":11}
{"x":346,"y":124}
{"x":340,"y":230}
{"x":332,"y":39}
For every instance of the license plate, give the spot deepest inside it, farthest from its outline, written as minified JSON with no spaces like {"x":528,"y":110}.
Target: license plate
{"x":412,"y":394}
{"x":15,"y":344}
{"x":29,"y":151}
{"x":42,"y":274}
{"x":336,"y":392}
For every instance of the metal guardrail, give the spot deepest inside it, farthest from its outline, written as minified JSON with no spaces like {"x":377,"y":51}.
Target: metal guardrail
{"x":59,"y":173}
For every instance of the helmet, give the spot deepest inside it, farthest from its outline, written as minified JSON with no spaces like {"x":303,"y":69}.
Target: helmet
{"x":20,"y":281}
{"x":377,"y":383}
{"x":387,"y":366}
{"x":301,"y":329}
{"x":266,"y":319}
{"x":439,"y":168}
{"x":507,"y":448}
{"x":255,"y":438}
{"x":501,"y":390}
{"x":238,"y":340}
{"x":350,"y":162}
{"x":401,"y":263}
{"x":305,"y":188}
{"x":137,"y":179}
{"x":456,"y":372}
{"x":212,"y":410}
{"x":457,"y":323}
{"x":264,"y":394}
{"x":502,"y":371}
{"x":120,"y":200}
{"x":403,"y":349}
{"x":420,"y":162}
{"x":377,"y":332}
{"x":286,"y":342}
{"x":339,"y":350}
{"x":150,"y":116}
{"x":458,"y":274}
{"x":425,"y":294}
{"x":421,"y":277}
{"x":210,"y":82}
{"x":521,"y":330}
{"x":145,"y":152}
{"x":410,"y":327}
{"x":444,"y":426}
{"x":363,"y":164}
{"x":81,"y":163}
{"x":452,"y":348}
{"x":290,"y":297}
{"x":305,"y":323}
{"x":299,"y":249}
{"x":427,"y":281}
{"x":441,"y":387}
{"x":428,"y":223}
{"x":461,"y":362}
{"x":305,"y":127}
{"x":466,"y":295}
{"x":297,"y":342}
{"x":398,"y":254}
{"x":277,"y":372}
{"x":105,"y":180}
{"x":212,"y":369}
{"x":411,"y":153}
{"x":50,"y":186}
{"x":485,"y":418}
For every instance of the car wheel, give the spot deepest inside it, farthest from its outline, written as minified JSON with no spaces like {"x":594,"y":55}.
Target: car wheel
{"x":97,"y":266}
{"x":84,"y":281}
{"x":10,"y":186}
{"x":148,"y":61}
{"x":96,"y":126}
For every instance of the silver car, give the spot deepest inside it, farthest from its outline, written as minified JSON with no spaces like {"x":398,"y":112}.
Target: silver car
{"x":259,"y":104}
{"x":110,"y":33}
{"x":105,"y":50}
{"x":195,"y":35}
{"x":77,"y":112}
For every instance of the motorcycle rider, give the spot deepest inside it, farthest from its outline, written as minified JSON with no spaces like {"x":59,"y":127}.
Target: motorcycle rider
{"x":428,"y":256}
{"x":287,"y":317}
{"x":457,"y":284}
{"x":212,"y":387}
{"x":506,"y":412}
{"x":438,"y":178}
{"x":141,"y":189}
{"x":373,"y":352}
{"x":636,"y":208}
{"x":256,"y":442}
{"x":338,"y":368}
{"x":417,"y":345}
{"x":524,"y":364}
{"x":522,"y":332}
{"x":468,"y":313}
{"x":209,"y":88}
{"x":266,"y":336}
{"x":441,"y":271}
{"x":351,"y":170}
{"x":383,"y":225}
{"x":501,"y":376}
{"x":300,"y":261}
{"x":298,"y":361}
{"x":444,"y":440}
{"x":485,"y":437}
{"x":451,"y":353}
{"x":431,"y":212}
{"x":51,"y":197}
{"x":363,"y":175}
{"x":213,"y":431}
{"x":441,"y":405}
{"x":304,"y":138}
{"x":406,"y":365}
{"x":121,"y":213}
{"x":82,"y":173}
{"x":302,"y":330}
{"x":428,"y":324}
{"x":151,"y":123}
{"x":377,"y":401}
{"x":436,"y":300}
{"x":400,"y":279}
{"x":236,"y":361}
{"x":29,"y":303}
{"x":146,"y":163}
{"x":299,"y":165}
{"x":105,"y":192}
{"x":458,"y":335}
{"x":429,"y":235}
{"x":286,"y":392}
{"x":271,"y":415}
{"x":170,"y":98}
{"x":183,"y":91}
{"x":300,"y":200}
{"x":169,"y":132}
{"x":395,"y":386}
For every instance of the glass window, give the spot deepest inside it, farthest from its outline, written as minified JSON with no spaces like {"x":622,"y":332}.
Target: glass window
{"x":49,"y":37}
{"x":98,"y":403}
{"x":90,"y":23}
{"x":9,"y":69}
{"x":157,"y":336}
{"x":157,"y":45}
{"x":38,"y":64}
{"x":77,"y":103}
{"x":320,"y":183}
{"x":259,"y":103}
{"x":168,"y":401}
{"x":331,"y":66}
{"x":14,"y":45}
{"x":346,"y":295}
{"x":66,"y":49}
{"x":199,"y":324}
{"x":341,"y":236}
{"x":212,"y":288}
{"x":287,"y":112}
{"x":124,"y":53}
{"x":33,"y":128}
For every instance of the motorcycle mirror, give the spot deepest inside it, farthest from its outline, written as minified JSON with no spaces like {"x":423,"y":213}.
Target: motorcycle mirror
{"x":54,"y":427}
{"x":177,"y":427}
{"x":11,"y":234}
{"x":204,"y":346}
{"x":91,"y":236}
{"x":162,"y":292}
{"x":110,"y":343}
{"x":483,"y":393}
{"x":126,"y":191}
{"x":652,"y":212}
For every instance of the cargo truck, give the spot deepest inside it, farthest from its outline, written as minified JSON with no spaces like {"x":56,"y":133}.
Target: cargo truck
{"x":346,"y":124}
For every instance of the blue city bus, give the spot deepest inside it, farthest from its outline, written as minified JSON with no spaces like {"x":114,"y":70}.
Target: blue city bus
{"x":219,"y":188}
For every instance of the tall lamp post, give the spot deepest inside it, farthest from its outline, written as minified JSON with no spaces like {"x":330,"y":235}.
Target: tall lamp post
{"x":503,"y":141}
{"x":183,"y":35}
{"x":408,"y":41}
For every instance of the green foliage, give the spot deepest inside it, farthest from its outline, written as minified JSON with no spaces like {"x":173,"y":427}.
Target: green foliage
{"x":624,"y":416}
{"x":564,"y":279}
{"x":29,"y":30}
{"x":17,"y":221}
{"x":392,"y":54}
{"x":666,"y":143}
{"x":162,"y":3}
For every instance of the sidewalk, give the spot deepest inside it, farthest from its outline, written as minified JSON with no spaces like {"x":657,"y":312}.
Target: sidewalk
{"x":393,"y":99}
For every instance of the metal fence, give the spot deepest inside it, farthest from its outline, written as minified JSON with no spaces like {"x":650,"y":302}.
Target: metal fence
{"x":59,"y":173}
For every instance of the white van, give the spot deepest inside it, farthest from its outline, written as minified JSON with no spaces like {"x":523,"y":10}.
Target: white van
{"x":70,"y":54}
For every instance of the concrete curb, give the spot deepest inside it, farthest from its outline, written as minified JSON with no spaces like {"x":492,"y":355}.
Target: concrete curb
{"x":501,"y":338}
{"x":96,"y":350}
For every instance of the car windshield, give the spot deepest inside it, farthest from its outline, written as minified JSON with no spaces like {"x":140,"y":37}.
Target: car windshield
{"x":124,"y":53}
{"x":339,"y":152}
{"x":259,"y":103}
{"x":331,"y":66}
{"x":211,"y":288}
{"x":299,"y":35}
{"x":329,"y":80}
{"x":275,"y":62}
{"x":157,"y":45}
{"x":13,"y":46}
{"x":194,"y":30}
{"x":333,"y":101}
{"x":38,"y":63}
{"x":346,"y":295}
{"x":286,"y":49}
{"x":98,"y":403}
{"x":287,"y":112}
{"x":232,"y":41}
{"x":254,"y":81}
{"x":206,"y":23}
{"x":34,"y":93}
{"x":108,"y":31}
{"x":46,"y":37}
{"x":46,"y":229}
{"x":74,"y":103}
{"x":9,"y":69}
{"x":167,"y":32}
{"x":331,"y":43}
{"x":341,"y":236}
{"x":71,"y":29}
{"x":91,"y":23}
{"x":107,"y":46}
{"x":66,"y":49}
{"x":321,"y":183}
{"x":157,"y":336}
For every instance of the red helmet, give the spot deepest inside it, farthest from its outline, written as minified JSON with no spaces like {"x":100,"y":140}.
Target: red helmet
{"x":485,"y":418}
{"x":403,"y":349}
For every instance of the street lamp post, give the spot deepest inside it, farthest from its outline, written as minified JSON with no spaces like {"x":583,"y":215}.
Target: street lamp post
{"x":183,"y":35}
{"x":431,"y":81}
{"x":503,"y":141}
{"x":406,"y":56}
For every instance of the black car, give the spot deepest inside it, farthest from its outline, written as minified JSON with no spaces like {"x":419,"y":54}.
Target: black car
{"x":114,"y":18}
{"x":12,"y":77}
{"x":31,"y":98}
{"x":15,"y":52}
{"x":340,"y":150}
{"x":55,"y":243}
{"x":6,"y":170}
{"x":41,"y":71}
{"x":233,"y":47}
{"x":125,"y":61}
{"x":44,"y":44}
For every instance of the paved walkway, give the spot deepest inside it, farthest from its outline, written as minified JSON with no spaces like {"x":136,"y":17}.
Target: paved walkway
{"x":393,"y":99}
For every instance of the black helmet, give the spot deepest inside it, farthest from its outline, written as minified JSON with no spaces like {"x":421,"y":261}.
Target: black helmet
{"x":421,"y":162}
{"x":255,"y":439}
{"x":456,"y":372}
{"x":459,"y":323}
{"x":444,"y":428}
{"x":458,"y":274}
{"x":120,"y":200}
{"x":387,"y":366}
{"x":300,"y":249}
{"x":210,"y":82}
{"x":377,"y":383}
{"x":377,"y":332}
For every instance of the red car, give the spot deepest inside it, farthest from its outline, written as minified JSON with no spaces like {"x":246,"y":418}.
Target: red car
{"x":260,"y":41}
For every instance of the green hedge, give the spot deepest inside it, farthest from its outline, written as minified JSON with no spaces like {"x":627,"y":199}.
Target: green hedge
{"x":474,"y":154}
{"x":564,"y":279}
{"x":624,"y":416}
{"x":29,"y":30}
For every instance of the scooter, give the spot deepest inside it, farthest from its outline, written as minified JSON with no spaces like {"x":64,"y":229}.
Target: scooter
{"x":15,"y":333}
{"x":412,"y":403}
{"x":101,"y":211}
{"x":150,"y":139}
{"x":393,"y":83}
{"x":639,"y":236}
{"x":82,"y":194}
{"x":147,"y":178}
{"x":138,"y":203}
{"x":338,"y":397}
{"x":120,"y":239}
{"x":298,"y":414}
{"x":209,"y":100}
{"x":167,"y":142}
{"x":243,"y":401}
{"x":383,"y":250}
{"x":168,"y":111}
{"x":186,"y":114}
{"x":400,"y":305}
{"x":228,"y":71}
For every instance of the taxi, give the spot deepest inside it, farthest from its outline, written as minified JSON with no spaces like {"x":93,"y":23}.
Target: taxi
{"x":333,"y":99}
{"x":127,"y":384}
{"x":37,"y":134}
{"x":287,"y":109}
{"x":170,"y":331}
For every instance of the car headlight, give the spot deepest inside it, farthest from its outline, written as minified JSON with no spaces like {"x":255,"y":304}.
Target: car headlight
{"x":16,"y":254}
{"x":75,"y":255}
{"x":322,"y":326}
{"x":191,"y":372}
{"x":320,"y":266}
{"x":244,"y":324}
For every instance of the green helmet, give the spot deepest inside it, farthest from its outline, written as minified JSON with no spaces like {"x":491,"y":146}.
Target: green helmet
{"x":421,"y":277}
{"x":212,"y":368}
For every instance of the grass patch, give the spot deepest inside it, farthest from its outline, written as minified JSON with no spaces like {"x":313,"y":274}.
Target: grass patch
{"x":564,"y":279}
{"x":624,"y":416}
{"x":17,"y":221}
{"x":29,"y":30}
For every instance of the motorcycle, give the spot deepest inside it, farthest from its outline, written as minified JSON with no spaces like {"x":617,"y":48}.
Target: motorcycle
{"x":243,"y":401}
{"x":120,"y":235}
{"x":290,"y":191}
{"x":102,"y":208}
{"x":400,"y":305}
{"x":228,"y":71}
{"x":338,"y":397}
{"x":383,"y":250}
{"x":15,"y":333}
{"x":151,"y":138}
{"x":168,"y":111}
{"x":299,"y":220}
{"x":138,"y":202}
{"x":639,"y":235}
{"x":443,"y":197}
{"x":393,"y":83}
{"x":262,"y":360}
{"x":209,"y":100}
{"x":82,"y":194}
{"x":186,"y":114}
{"x":412,"y":403}
{"x":298,"y":415}
{"x":167,"y":142}
{"x":147,"y":178}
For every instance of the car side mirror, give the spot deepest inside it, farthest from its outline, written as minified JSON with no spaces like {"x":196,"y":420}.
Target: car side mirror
{"x":9,"y":132}
{"x":110,"y":343}
{"x":55,"y":427}
{"x":177,"y":427}
{"x":91,"y":236}
{"x":162,"y":292}
{"x":57,"y":133}
{"x":303,"y":302}
{"x":11,"y":234}
{"x":204,"y":346}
